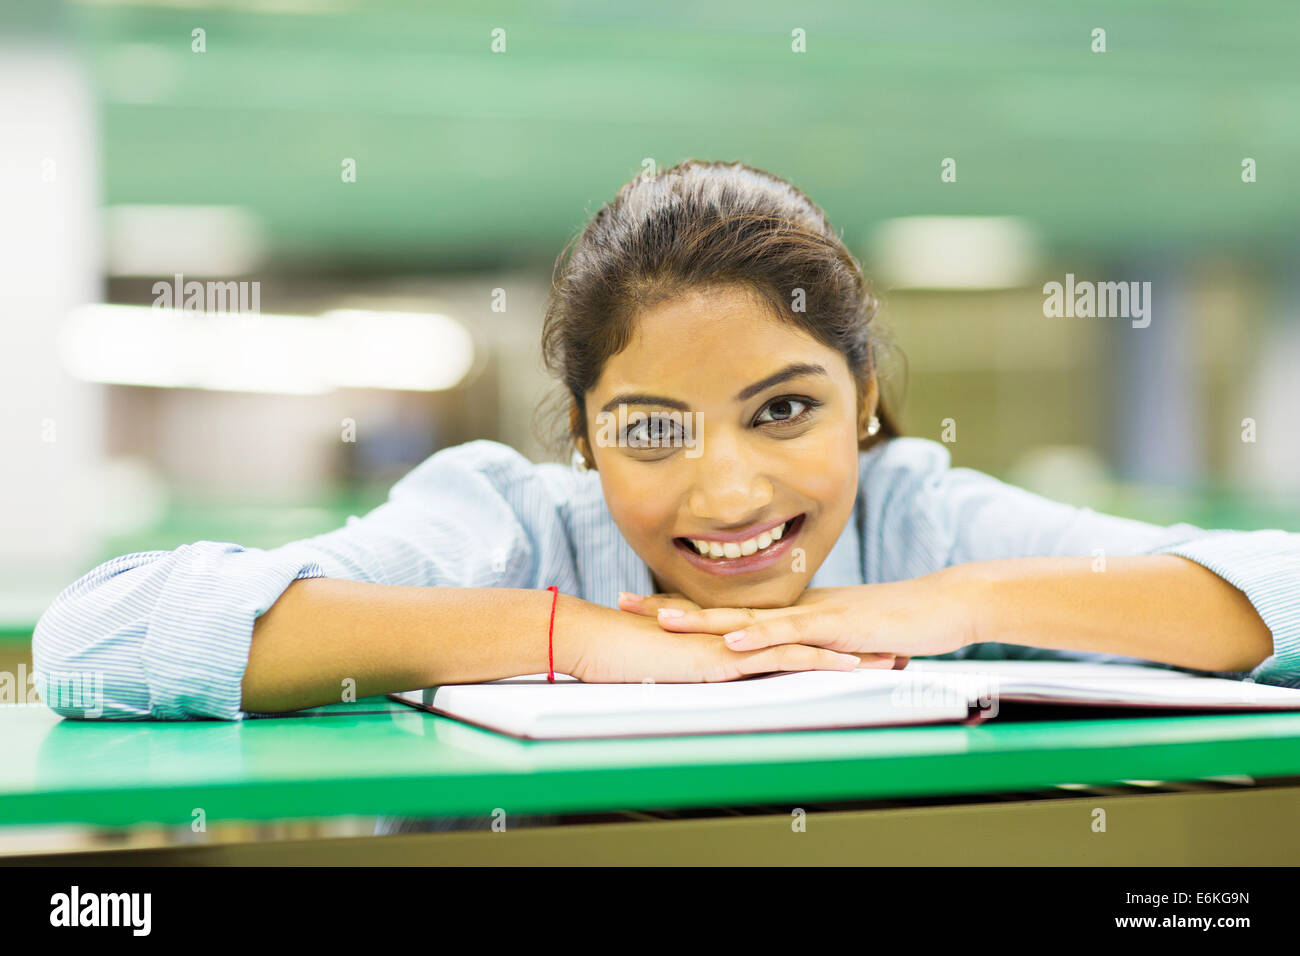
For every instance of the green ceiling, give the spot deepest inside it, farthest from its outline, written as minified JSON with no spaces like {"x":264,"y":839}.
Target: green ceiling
{"x":467,"y":156}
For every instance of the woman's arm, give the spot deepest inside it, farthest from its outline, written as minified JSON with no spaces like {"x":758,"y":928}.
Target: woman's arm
{"x":325,"y":635}
{"x":167,"y":634}
{"x":321,"y":632}
{"x":1156,"y":607}
{"x":924,"y":515}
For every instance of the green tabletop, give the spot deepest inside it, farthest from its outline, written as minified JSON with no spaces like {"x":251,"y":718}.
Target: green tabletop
{"x":377,"y":757}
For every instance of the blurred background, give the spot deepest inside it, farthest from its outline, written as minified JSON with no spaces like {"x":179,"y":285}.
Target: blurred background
{"x":383,"y":187}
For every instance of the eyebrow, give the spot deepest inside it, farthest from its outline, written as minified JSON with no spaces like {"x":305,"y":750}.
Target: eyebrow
{"x":794,"y":370}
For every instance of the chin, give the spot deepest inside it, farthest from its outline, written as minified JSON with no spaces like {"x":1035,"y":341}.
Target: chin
{"x":771,"y":594}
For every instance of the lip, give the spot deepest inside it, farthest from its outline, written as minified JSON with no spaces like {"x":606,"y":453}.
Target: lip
{"x":735,"y":536}
{"x":745,"y":564}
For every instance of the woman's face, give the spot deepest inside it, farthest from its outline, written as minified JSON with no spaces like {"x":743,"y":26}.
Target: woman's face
{"x":758,"y":427}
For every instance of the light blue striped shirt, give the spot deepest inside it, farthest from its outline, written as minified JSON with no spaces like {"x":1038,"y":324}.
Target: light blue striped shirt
{"x":169,"y":631}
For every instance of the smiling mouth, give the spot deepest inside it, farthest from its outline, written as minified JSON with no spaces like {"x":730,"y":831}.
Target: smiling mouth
{"x":756,"y":547}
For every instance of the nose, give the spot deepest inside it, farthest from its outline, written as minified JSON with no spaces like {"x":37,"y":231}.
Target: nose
{"x":728,"y":488}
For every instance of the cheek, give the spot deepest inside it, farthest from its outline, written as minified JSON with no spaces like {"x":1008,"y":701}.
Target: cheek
{"x":830,"y":484}
{"x":636,"y":503}
{"x":835,"y":479}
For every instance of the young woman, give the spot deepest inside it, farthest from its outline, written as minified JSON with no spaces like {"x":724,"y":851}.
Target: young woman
{"x":744,"y":505}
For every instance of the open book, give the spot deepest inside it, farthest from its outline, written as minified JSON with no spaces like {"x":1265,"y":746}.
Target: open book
{"x":925,"y":692}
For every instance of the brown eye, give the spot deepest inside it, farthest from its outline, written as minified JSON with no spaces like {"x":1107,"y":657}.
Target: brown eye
{"x":654,"y":432}
{"x":783,"y":409}
{"x":786,"y":410}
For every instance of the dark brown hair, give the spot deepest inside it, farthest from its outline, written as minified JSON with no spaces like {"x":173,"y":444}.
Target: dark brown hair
{"x":703,"y":224}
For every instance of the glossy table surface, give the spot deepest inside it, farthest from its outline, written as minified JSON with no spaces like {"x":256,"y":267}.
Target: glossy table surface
{"x":380,"y":757}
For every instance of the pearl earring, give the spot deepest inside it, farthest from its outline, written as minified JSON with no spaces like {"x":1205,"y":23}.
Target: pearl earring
{"x":578,"y":462}
{"x":873,"y":426}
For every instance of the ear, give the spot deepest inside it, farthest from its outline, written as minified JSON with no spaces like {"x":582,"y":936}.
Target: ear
{"x":580,"y":441}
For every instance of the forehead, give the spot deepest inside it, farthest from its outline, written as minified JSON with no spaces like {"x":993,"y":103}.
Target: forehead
{"x":723,"y":336}
{"x":710,"y":314}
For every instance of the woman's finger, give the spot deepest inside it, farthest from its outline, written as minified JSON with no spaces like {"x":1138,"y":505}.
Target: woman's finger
{"x":795,"y":657}
{"x":879,"y":661}
{"x":820,"y":628}
{"x":716,"y":620}
{"x":649,"y":605}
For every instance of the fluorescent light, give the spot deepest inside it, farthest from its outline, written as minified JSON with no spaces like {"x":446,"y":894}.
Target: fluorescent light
{"x":952,"y":252}
{"x":258,"y":352}
{"x":418,"y":351}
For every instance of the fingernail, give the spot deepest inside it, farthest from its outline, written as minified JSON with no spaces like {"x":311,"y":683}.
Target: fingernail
{"x":673,"y":612}
{"x":628,"y":596}
{"x":734,"y":637}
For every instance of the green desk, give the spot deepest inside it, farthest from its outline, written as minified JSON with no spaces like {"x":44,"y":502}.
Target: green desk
{"x":378,"y":757}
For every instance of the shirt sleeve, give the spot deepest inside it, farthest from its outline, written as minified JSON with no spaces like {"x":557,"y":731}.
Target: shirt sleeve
{"x":166,"y":634}
{"x":932,"y":515}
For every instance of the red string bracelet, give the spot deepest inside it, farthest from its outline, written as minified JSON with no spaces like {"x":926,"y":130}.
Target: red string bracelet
{"x":550,"y":635}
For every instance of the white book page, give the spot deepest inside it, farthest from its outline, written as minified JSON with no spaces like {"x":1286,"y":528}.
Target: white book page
{"x":927,"y":691}
{"x":1099,"y":683}
{"x":532,"y":707}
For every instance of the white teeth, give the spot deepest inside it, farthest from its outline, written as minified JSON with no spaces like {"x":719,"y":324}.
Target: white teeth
{"x":734,"y":549}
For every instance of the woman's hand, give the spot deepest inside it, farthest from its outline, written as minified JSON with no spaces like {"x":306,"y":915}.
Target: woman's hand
{"x":662,"y":607}
{"x":921,"y":616}
{"x":606,"y":645}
